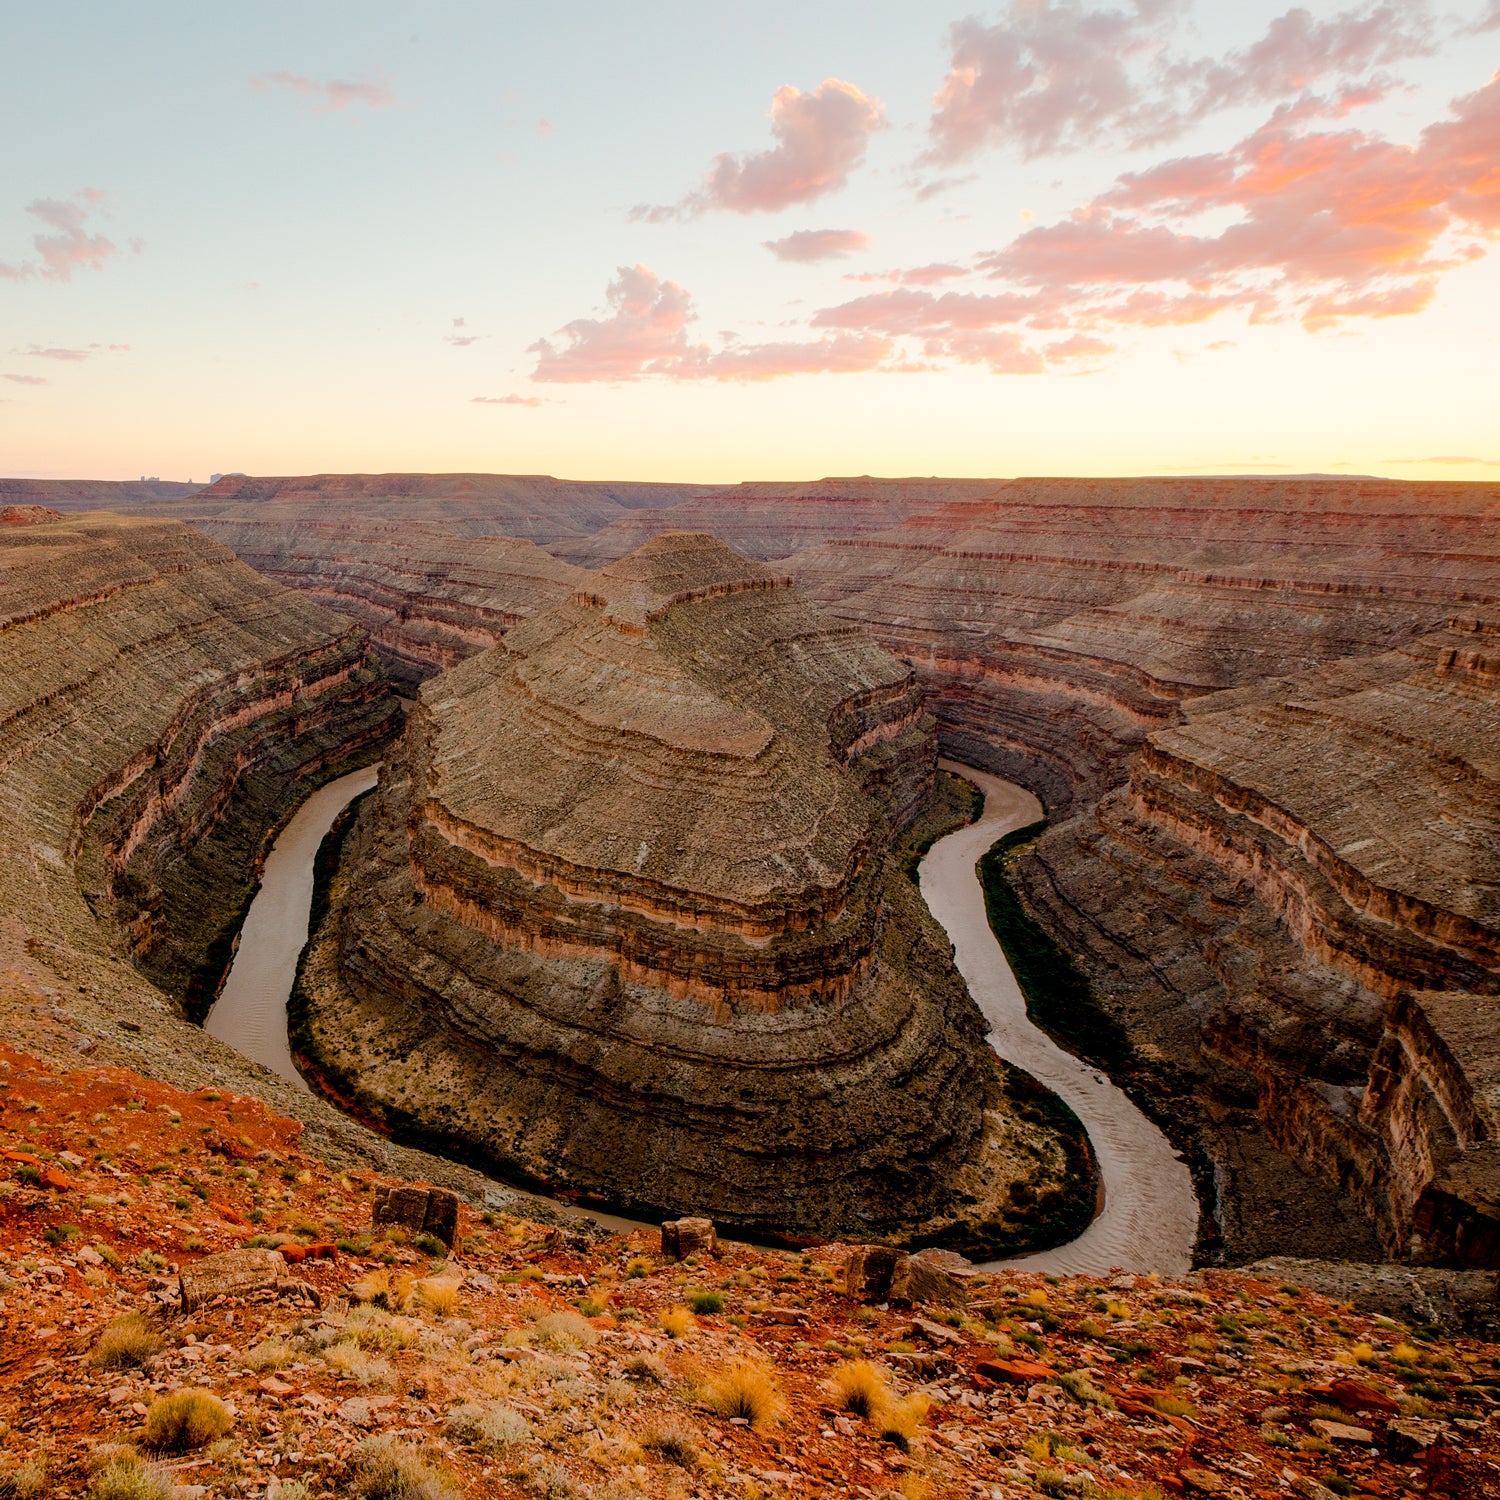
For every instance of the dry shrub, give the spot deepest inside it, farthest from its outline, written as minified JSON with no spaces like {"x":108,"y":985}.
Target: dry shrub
{"x":677,"y":1322}
{"x":372,"y":1286}
{"x":747,"y":1390}
{"x":673,"y":1443}
{"x":126,"y":1343}
{"x":563,"y":1331}
{"x":185,"y":1419}
{"x":897,"y":1421}
{"x":859,"y":1386}
{"x":125,"y":1477}
{"x":487,"y":1427}
{"x":385,"y":1469}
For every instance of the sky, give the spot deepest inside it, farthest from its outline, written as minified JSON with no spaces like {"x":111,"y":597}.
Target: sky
{"x":710,"y":243}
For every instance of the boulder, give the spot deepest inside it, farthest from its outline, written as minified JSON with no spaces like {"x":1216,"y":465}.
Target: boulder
{"x":681,"y":1238}
{"x":231,"y":1273}
{"x":869,"y":1271}
{"x":935,"y":1276}
{"x":422,"y":1210}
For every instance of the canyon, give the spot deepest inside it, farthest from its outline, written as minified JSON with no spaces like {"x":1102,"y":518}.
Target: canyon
{"x":1259,"y":713}
{"x":624,"y":918}
{"x":163,"y":710}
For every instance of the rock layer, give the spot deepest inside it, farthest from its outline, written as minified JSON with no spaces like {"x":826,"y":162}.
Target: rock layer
{"x":162,"y":709}
{"x":621,"y":915}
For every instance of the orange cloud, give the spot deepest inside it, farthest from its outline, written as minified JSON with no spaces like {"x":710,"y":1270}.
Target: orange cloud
{"x":645,"y":333}
{"x":821,"y":138}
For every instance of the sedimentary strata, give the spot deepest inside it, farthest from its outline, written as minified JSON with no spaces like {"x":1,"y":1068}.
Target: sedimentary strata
{"x":621,"y":917}
{"x":1308,"y":870}
{"x":162,"y":709}
{"x":776,"y":520}
{"x":427,"y":597}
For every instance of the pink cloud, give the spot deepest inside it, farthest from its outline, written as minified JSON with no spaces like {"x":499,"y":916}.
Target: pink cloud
{"x":27,"y":379}
{"x":1290,"y":224}
{"x":645,"y":333}
{"x":38,"y":351}
{"x":818,"y":244}
{"x":909,"y":311}
{"x":70,"y":247}
{"x":332,"y":97}
{"x":507,"y":400}
{"x":928,"y":275}
{"x":821,"y":138}
{"x":1490,"y":21}
{"x":1051,"y":76}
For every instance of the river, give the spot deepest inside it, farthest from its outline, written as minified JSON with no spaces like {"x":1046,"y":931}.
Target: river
{"x":1150,"y":1214}
{"x":250,"y":1013}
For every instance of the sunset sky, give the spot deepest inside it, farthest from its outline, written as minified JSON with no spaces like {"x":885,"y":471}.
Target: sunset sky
{"x":701,"y":242}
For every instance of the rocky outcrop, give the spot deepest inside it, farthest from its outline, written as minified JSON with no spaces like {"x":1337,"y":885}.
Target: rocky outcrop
{"x":621,"y":916}
{"x":92,"y":494}
{"x":427,"y":598}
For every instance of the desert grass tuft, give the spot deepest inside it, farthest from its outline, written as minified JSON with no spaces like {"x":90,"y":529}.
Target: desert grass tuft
{"x":126,"y":1477}
{"x":28,"y":1482}
{"x":649,"y":1368}
{"x":859,"y":1387}
{"x":564,"y":1331}
{"x":439,"y":1295}
{"x":385,"y":1469}
{"x":677,"y":1322}
{"x":270,"y":1354}
{"x":673,"y":1443}
{"x":349,"y":1359}
{"x":897,"y":1421}
{"x":125,"y":1344}
{"x":183,"y":1420}
{"x":747,"y":1390}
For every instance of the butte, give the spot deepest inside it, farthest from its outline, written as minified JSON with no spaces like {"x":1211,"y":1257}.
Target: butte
{"x":623,"y":918}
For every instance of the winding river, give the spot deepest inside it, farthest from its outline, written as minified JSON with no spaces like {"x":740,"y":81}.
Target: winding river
{"x":1150,"y":1214}
{"x":250,"y":1013}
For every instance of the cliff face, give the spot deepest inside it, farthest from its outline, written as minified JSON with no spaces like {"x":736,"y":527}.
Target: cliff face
{"x":1313,"y":878}
{"x":776,"y":520}
{"x":162,"y":707}
{"x":427,"y":598}
{"x":621,"y":916}
{"x":533,"y":507}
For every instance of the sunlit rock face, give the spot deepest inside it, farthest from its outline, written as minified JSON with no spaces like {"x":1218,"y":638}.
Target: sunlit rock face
{"x":621,"y":915}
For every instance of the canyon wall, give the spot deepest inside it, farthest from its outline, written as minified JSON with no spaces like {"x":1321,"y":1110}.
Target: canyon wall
{"x":1260,"y":714}
{"x":162,"y":709}
{"x":622,"y":918}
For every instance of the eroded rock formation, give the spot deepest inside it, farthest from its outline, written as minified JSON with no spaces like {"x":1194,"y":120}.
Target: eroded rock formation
{"x":427,"y":598}
{"x":621,"y":916}
{"x":163,"y":707}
